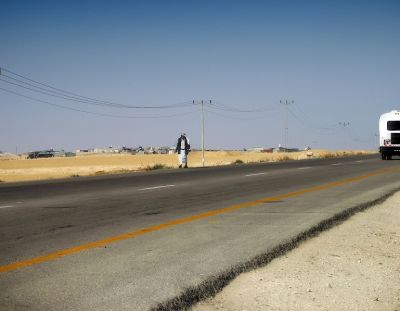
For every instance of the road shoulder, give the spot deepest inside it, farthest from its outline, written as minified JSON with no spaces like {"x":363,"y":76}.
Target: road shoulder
{"x":352,"y":266}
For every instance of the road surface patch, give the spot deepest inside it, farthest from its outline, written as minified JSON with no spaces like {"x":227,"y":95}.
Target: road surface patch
{"x":156,"y":187}
{"x":185,"y":220}
{"x":255,"y":174}
{"x":6,"y":206}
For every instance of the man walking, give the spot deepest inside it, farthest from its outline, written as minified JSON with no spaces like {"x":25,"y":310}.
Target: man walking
{"x":183,"y":148}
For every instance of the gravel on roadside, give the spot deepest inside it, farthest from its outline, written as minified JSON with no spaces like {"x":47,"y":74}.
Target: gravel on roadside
{"x":353,"y":266}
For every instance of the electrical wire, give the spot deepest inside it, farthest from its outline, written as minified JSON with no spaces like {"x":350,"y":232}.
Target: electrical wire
{"x":48,"y":90}
{"x":67,"y":95}
{"x":40,"y":88}
{"x":308,"y":123}
{"x":56,"y":93}
{"x":220,"y":106}
{"x":322,"y":131}
{"x":349,"y":131}
{"x":58,"y":96}
{"x":235,"y":117}
{"x":95,"y":113}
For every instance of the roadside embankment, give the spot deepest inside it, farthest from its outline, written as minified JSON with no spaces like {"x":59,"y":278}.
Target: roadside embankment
{"x":353,"y":266}
{"x":20,"y":169}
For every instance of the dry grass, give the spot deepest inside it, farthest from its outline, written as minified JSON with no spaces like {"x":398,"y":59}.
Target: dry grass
{"x":19,"y":169}
{"x":157,"y":166}
{"x":284,"y":158}
{"x":328,"y":155}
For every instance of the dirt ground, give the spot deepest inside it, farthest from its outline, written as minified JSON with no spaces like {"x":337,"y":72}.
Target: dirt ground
{"x":13,"y":169}
{"x":354,"y":266}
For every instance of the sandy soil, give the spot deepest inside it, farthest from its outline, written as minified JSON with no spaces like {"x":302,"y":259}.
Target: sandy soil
{"x":354,"y":266}
{"x":20,"y":169}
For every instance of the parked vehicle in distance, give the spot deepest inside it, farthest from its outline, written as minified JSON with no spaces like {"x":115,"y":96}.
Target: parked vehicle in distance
{"x":389,"y":134}
{"x":41,"y":154}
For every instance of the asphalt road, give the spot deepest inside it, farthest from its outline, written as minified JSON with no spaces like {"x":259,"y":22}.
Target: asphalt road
{"x":161,"y":232}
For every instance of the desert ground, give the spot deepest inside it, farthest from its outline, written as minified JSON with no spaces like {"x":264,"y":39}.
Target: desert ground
{"x":354,"y":266}
{"x":14,"y":169}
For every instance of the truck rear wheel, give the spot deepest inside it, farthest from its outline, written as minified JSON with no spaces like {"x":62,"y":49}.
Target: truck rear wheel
{"x":383,"y":156}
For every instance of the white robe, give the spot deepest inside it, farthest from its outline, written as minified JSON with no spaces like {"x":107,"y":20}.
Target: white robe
{"x":182,"y":154}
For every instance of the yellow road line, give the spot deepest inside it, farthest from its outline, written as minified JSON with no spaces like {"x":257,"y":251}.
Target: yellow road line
{"x":179,"y":221}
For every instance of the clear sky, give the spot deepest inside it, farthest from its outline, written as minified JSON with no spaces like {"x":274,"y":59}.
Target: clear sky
{"x":338,"y":61}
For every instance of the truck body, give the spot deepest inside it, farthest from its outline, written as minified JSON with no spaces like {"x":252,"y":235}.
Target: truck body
{"x":389,"y":134}
{"x":41,"y":154}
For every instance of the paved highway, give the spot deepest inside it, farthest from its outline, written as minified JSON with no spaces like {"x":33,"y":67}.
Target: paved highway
{"x":129,"y":242}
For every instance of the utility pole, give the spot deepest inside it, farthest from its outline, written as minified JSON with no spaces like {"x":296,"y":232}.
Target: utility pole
{"x":345,"y":125}
{"x":286,"y":103}
{"x":202,"y":103}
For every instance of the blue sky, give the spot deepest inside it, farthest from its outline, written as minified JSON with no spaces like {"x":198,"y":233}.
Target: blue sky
{"x":338,"y":60}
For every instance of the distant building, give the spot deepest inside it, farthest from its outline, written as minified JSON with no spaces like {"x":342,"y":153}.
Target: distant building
{"x":63,"y":153}
{"x":162,"y":150}
{"x":82,"y":151}
{"x":260,"y":149}
{"x":130,"y":150}
{"x":149,"y":150}
{"x":282,"y":149}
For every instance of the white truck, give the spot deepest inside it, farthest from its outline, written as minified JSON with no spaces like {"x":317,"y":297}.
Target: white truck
{"x":389,"y":134}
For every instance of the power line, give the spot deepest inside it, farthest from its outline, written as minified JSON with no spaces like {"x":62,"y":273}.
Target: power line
{"x":234,"y":117}
{"x":219,"y":106}
{"x":345,"y":126}
{"x":49,"y":90}
{"x":307,"y":119}
{"x":95,"y":113}
{"x":88,"y":102}
{"x":46,"y":85}
{"x":321,"y":131}
{"x":286,"y":103}
{"x":38,"y":87}
{"x":58,"y":96}
{"x":308,"y":123}
{"x":67,"y":95}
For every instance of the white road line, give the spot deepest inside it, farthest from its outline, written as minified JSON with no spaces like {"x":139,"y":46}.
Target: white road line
{"x":304,"y":168}
{"x":359,"y":161}
{"x":337,"y":164}
{"x":158,"y":187}
{"x":6,"y":206}
{"x":255,"y":174}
